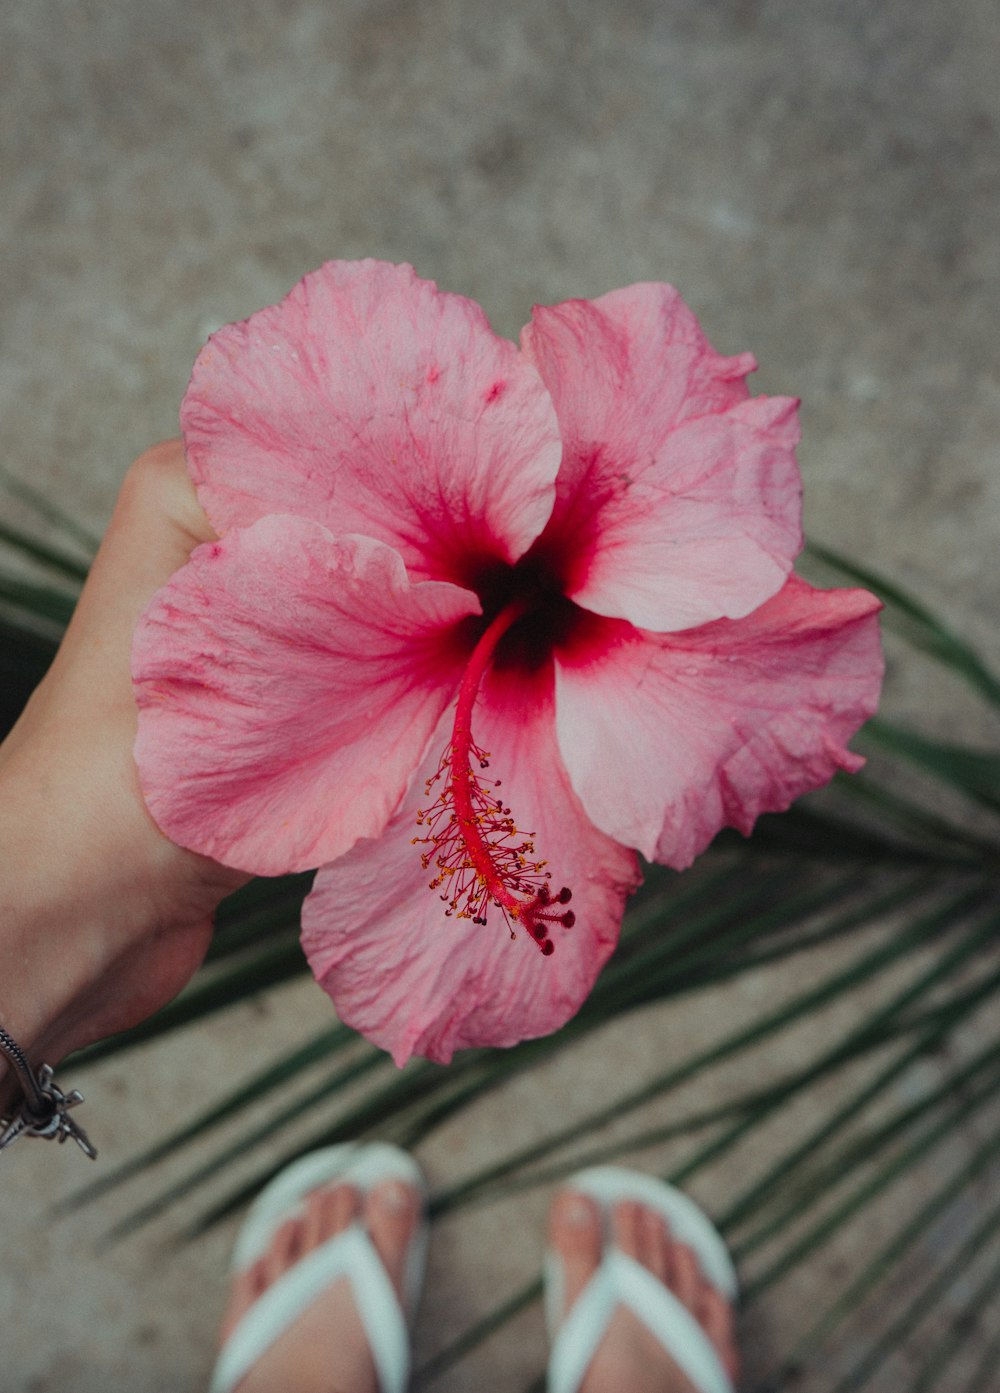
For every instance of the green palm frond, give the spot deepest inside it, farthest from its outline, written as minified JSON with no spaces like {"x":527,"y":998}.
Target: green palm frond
{"x":54,"y":521}
{"x":886,"y":892}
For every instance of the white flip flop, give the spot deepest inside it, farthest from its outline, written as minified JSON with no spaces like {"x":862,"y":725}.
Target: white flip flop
{"x":349,"y":1254}
{"x":621,"y":1281}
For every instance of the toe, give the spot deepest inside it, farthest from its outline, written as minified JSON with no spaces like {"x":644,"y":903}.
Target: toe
{"x":685,"y":1280}
{"x":284,"y":1250}
{"x":654,"y":1245}
{"x":716,"y":1317}
{"x":254,"y":1279}
{"x":392,"y":1212}
{"x":342,"y":1207}
{"x":328,"y":1212}
{"x":626,"y":1226}
{"x":575,"y":1234}
{"x":315,"y":1224}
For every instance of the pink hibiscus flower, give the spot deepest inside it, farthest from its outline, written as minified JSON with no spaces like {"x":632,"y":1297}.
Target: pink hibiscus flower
{"x":481,"y":623}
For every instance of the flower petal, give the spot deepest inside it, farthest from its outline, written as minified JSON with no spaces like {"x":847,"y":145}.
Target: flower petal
{"x":668,"y":738}
{"x":374,"y":403}
{"x":416,"y":982}
{"x":287,"y":683}
{"x":679,"y":497}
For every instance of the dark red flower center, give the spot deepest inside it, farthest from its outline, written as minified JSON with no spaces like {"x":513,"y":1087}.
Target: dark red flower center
{"x":476,"y":853}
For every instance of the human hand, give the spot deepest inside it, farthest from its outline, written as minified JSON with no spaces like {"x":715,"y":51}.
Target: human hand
{"x":102,"y":919}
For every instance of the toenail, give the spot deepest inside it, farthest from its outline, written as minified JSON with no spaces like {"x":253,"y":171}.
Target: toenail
{"x":577,"y":1212}
{"x":394,"y":1197}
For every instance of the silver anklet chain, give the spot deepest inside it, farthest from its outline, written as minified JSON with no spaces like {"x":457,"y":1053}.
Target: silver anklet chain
{"x":44,"y":1108}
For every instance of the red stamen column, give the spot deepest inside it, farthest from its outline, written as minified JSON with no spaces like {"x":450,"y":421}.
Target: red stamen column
{"x":478,"y":855}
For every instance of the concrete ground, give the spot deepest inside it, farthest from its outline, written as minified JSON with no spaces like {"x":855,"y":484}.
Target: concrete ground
{"x":821,"y":181}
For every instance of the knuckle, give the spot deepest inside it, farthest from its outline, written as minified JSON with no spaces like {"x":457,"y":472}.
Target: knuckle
{"x":157,"y":470}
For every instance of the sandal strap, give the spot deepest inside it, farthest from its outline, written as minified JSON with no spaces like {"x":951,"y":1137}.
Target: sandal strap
{"x":350,"y":1254}
{"x":621,"y":1281}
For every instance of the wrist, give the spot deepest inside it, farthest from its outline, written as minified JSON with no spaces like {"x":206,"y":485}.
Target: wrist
{"x":54,"y":937}
{"x":102,"y":919}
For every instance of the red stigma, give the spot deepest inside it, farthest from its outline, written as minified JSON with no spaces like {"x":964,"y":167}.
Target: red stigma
{"x":477,"y":855}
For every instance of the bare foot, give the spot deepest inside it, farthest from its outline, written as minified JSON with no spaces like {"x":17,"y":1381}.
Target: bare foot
{"x":630,"y":1356}
{"x":326,"y":1349}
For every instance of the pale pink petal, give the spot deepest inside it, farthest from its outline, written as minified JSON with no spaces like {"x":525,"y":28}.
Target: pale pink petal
{"x":668,"y":738}
{"x":679,"y":498}
{"x":416,"y":982}
{"x":374,"y":403}
{"x":287,"y":684}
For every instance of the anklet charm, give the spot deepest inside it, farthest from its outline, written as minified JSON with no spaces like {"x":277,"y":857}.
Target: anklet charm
{"x":44,"y":1108}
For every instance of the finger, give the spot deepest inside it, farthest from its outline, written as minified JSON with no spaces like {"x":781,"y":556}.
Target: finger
{"x":156,"y":524}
